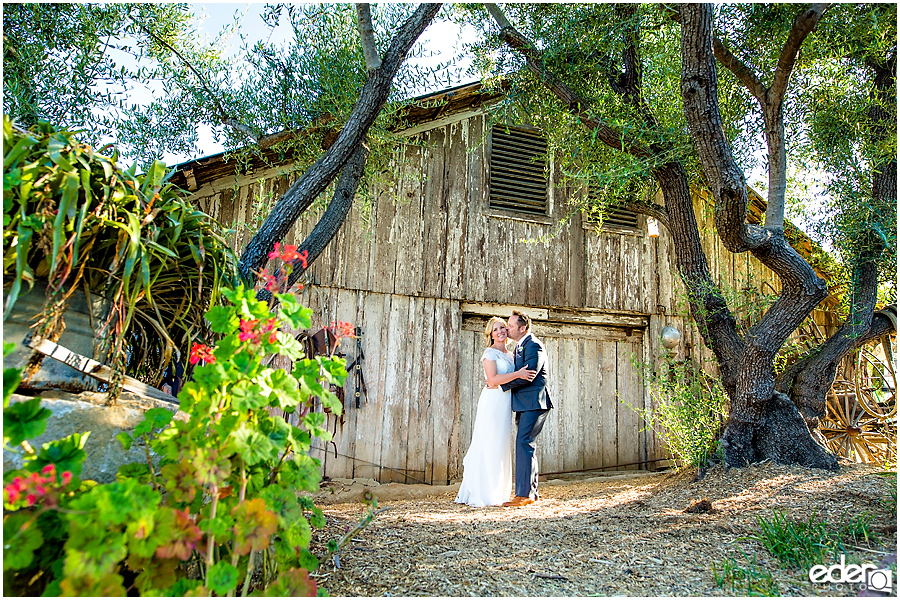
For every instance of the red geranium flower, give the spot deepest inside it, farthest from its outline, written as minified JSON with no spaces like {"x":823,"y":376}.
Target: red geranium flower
{"x":201,"y":352}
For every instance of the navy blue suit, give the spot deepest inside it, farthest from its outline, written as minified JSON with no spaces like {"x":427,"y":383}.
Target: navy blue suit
{"x":531,"y":403}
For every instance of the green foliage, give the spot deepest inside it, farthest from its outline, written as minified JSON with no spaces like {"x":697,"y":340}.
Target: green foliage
{"x":583,"y":45}
{"x":24,"y":420}
{"x":225,"y":492}
{"x":11,"y":377}
{"x":54,"y":55}
{"x":74,"y":219}
{"x":689,"y":410}
{"x":802,"y":544}
{"x":751,"y":580}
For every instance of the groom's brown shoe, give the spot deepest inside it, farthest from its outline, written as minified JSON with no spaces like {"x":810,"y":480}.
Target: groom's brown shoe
{"x":518,"y":502}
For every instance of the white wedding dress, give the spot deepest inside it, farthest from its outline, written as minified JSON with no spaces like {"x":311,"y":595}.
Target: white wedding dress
{"x":487,"y":466}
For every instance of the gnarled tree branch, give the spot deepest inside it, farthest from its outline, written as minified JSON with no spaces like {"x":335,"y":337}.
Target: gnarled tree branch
{"x":367,"y":37}
{"x":334,"y":216}
{"x":802,"y":289}
{"x":771,"y":101}
{"x":744,"y":73}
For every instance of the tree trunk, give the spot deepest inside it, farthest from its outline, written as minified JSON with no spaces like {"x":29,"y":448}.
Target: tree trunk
{"x":762,"y":423}
{"x":335,"y":214}
{"x":316,"y":179}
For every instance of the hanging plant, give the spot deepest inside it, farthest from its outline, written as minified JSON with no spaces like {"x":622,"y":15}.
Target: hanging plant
{"x":73,"y":219}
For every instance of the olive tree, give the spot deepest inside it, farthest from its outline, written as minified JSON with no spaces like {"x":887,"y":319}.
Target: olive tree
{"x":661,"y":94}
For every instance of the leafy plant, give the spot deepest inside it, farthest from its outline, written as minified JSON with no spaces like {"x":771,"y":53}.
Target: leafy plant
{"x":74,"y":220}
{"x":223,"y":498}
{"x":803,"y":544}
{"x":689,"y":409}
{"x":751,"y":580}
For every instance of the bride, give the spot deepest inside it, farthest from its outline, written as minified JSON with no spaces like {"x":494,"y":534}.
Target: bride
{"x":487,"y":466}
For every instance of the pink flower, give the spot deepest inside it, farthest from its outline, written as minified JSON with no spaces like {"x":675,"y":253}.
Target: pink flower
{"x":276,"y":252}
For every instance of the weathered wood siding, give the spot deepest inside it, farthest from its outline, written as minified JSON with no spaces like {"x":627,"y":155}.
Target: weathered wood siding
{"x":420,"y":269}
{"x":430,"y":233}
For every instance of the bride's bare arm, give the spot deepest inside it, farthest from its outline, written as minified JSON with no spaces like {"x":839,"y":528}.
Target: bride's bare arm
{"x":494,"y":379}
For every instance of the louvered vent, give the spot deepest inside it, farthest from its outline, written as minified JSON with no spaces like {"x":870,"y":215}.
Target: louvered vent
{"x":518,"y":181}
{"x":622,"y":218}
{"x":619,"y":218}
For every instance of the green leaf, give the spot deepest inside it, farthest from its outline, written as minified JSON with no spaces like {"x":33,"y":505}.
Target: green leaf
{"x":247,"y":395}
{"x":285,"y":389}
{"x":222,"y":578}
{"x":125,"y":439}
{"x":293,"y":312}
{"x":24,"y":420}
{"x":159,"y":417}
{"x":222,"y":319}
{"x":23,"y":245}
{"x":137,"y":471}
{"x":253,"y":446}
{"x":69,"y":196}
{"x":21,"y":538}
{"x":219,"y":526}
{"x":11,"y":379}
{"x":290,"y":347}
{"x":22,"y":146}
{"x":55,"y":147}
{"x":66,"y":453}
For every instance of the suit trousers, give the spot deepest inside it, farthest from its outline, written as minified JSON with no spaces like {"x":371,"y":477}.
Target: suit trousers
{"x":529,"y":423}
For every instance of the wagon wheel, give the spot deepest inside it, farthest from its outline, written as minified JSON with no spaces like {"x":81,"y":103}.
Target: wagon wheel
{"x":852,"y":432}
{"x":876,"y":380}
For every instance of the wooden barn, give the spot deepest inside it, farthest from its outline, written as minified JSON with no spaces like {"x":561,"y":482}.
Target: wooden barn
{"x":471,"y":228}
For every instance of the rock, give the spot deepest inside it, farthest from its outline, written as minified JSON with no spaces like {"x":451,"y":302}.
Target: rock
{"x":78,"y":413}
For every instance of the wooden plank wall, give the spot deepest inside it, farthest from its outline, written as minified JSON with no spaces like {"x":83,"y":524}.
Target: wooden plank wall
{"x":404,"y":428}
{"x":430,"y":234}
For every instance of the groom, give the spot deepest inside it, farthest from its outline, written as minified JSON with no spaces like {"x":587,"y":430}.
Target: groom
{"x":531,"y":403}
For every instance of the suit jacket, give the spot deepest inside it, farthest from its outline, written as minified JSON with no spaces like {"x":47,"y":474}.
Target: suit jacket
{"x":530,"y":395}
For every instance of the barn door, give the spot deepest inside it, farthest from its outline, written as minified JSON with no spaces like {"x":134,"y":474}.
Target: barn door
{"x":594,"y":385}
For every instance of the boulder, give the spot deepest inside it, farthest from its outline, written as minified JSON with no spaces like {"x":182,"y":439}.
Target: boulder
{"x":87,"y":411}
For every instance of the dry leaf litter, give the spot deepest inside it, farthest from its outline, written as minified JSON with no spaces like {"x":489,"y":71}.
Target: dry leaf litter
{"x":623,"y":534}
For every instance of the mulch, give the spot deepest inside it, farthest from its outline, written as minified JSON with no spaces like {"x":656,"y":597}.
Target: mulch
{"x":631,"y":534}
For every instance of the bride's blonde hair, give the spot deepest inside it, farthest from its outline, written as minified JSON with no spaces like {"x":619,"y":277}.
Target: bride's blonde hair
{"x":489,"y":330}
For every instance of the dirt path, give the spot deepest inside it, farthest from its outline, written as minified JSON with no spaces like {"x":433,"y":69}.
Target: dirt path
{"x":621,"y":535}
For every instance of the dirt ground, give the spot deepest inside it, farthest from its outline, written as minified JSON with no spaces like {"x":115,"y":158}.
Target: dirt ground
{"x":623,"y":534}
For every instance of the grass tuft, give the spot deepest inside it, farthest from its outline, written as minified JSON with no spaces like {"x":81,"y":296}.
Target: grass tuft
{"x":751,"y":580}
{"x":802,"y":544}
